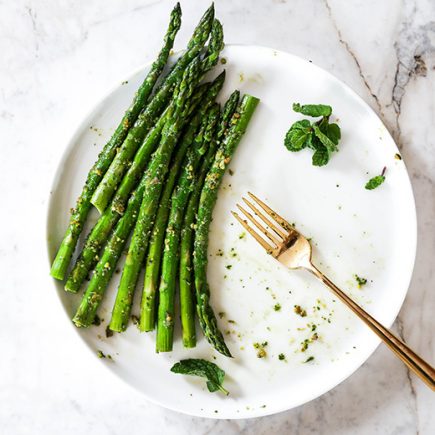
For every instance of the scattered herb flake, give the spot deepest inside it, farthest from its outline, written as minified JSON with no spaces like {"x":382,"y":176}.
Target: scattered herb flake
{"x":281,"y":357}
{"x":360,"y":281}
{"x":100,"y":354}
{"x":228,"y":266}
{"x":277,"y":307}
{"x":310,"y":358}
{"x":261,"y":352}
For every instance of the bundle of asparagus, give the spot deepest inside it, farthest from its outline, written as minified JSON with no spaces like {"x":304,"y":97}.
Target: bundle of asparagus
{"x":157,"y":180}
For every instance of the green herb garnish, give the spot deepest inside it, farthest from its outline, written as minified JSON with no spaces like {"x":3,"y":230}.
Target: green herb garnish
{"x":204,"y":369}
{"x":310,"y":358}
{"x":277,"y":307}
{"x":320,"y":136}
{"x":281,"y":357}
{"x":375,"y":182}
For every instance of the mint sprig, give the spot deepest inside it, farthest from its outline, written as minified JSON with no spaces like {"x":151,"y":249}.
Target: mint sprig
{"x":320,"y":136}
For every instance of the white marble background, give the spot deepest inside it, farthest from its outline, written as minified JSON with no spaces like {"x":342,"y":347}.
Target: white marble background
{"x":57,"y":57}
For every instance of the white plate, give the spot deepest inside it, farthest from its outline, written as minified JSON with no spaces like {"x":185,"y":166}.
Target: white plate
{"x":370,"y":233}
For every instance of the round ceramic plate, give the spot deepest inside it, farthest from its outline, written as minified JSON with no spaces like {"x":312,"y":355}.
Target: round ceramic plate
{"x":353,"y":231}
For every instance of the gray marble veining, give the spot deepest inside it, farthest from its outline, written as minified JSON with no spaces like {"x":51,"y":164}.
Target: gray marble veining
{"x":57,"y":59}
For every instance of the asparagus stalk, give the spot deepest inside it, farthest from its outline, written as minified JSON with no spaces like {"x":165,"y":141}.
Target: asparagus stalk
{"x":166,"y":315}
{"x":114,"y":247}
{"x":105,"y":267}
{"x":208,"y":198}
{"x":107,"y":187}
{"x":80,"y":212}
{"x":148,"y":302}
{"x":187,"y":291}
{"x":155,"y":175}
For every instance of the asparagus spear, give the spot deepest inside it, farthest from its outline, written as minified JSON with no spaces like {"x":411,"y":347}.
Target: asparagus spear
{"x":105,"y":267}
{"x":207,"y":201}
{"x":107,"y":187}
{"x":156,"y":173}
{"x":187,"y":292}
{"x":114,"y":247}
{"x":148,"y":304}
{"x":80,"y":213}
{"x":165,"y":319}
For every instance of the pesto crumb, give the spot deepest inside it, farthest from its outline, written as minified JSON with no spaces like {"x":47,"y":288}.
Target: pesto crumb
{"x":109,"y":332}
{"x":281,"y":357}
{"x":360,"y":281}
{"x":277,"y":307}
{"x":229,"y":266}
{"x":221,"y":314}
{"x":100,"y":354}
{"x":242,"y":235}
{"x":310,"y":358}
{"x":97,"y":320}
{"x":261,"y":352}
{"x":220,"y":253}
{"x":300,"y":311}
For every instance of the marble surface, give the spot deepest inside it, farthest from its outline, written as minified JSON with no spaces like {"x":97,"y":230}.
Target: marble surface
{"x":58,"y":58}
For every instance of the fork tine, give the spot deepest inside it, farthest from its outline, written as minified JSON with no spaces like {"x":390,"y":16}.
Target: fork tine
{"x":259,"y":226}
{"x":254,"y":234}
{"x":268,"y":222}
{"x":273,"y":214}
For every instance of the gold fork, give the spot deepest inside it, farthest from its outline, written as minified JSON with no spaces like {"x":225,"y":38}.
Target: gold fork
{"x":293,"y":250}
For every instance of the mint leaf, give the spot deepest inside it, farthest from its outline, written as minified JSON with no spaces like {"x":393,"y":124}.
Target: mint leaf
{"x":329,"y":144}
{"x":375,"y":182}
{"x":298,"y":135}
{"x":334,"y":133}
{"x":313,"y":110}
{"x":202,"y":368}
{"x":320,"y":156}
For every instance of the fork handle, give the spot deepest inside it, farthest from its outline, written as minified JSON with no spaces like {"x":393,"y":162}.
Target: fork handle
{"x":420,"y":367}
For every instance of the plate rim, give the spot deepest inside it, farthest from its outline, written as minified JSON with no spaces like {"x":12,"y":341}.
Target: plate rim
{"x":72,"y":140}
